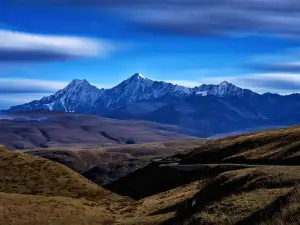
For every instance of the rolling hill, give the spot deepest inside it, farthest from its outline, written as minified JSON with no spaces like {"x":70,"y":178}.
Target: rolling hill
{"x":46,"y":129}
{"x":247,"y":179}
{"x":38,"y":191}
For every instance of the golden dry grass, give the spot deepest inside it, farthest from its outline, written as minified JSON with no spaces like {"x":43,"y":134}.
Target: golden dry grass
{"x":239,"y":206}
{"x":279,"y":145}
{"x":287,"y":213}
{"x":52,"y":194}
{"x":17,"y":209}
{"x":255,"y":189}
{"x":24,"y":174}
{"x":39,"y":191}
{"x":229,"y":198}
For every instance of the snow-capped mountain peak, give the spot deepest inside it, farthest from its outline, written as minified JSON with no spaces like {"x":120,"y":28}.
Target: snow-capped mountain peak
{"x":224,"y":89}
{"x":139,"y":76}
{"x":76,"y":96}
{"x":81,"y":96}
{"x":76,"y":86}
{"x":224,"y":83}
{"x":77,"y":83}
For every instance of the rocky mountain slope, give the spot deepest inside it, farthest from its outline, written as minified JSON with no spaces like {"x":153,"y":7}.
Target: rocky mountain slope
{"x":81,"y":96}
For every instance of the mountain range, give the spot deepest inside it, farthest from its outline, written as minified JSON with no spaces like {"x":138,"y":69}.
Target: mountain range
{"x":209,"y":109}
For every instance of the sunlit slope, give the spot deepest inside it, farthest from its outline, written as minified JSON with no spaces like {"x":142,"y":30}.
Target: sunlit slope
{"x":39,"y":191}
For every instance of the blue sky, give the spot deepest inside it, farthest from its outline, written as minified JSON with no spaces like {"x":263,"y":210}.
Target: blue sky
{"x":44,"y":45}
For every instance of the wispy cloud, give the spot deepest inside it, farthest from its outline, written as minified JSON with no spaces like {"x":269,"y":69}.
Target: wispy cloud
{"x":24,"y":47}
{"x":195,"y":17}
{"x":29,"y":86}
{"x":276,"y":66}
{"x":8,"y":100}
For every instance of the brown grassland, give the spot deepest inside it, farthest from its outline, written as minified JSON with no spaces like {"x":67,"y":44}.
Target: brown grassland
{"x":248,"y":179}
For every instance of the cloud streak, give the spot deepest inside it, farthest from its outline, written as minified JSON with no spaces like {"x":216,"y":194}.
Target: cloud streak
{"x":8,"y":100}
{"x":275,"y":66}
{"x":205,"y":17}
{"x":26,"y":47}
{"x":29,"y":86}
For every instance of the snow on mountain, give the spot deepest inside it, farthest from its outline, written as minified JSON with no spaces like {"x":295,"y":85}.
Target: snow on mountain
{"x":224,"y":89}
{"x":203,"y":93}
{"x":139,"y":88}
{"x":81,"y":96}
{"x":77,"y":96}
{"x":209,"y":109}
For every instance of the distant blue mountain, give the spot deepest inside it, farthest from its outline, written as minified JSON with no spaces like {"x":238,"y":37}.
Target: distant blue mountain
{"x":210,"y":109}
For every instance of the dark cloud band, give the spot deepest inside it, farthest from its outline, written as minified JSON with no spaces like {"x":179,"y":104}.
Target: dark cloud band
{"x":199,"y":17}
{"x":29,"y":86}
{"x":275,"y":67}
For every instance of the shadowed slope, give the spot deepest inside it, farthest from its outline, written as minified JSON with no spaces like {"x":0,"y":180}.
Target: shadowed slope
{"x":242,"y":178}
{"x":104,"y":165}
{"x":241,"y":196}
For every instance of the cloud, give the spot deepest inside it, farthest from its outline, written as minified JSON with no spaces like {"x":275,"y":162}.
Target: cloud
{"x":276,"y":66}
{"x":24,"y":47}
{"x":29,"y":86}
{"x":273,"y":82}
{"x":202,"y":17}
{"x":281,"y":83}
{"x":8,"y":100}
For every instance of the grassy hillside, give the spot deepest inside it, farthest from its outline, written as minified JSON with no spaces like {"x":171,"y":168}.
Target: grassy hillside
{"x":38,"y":191}
{"x":24,"y":174}
{"x":19,"y":209}
{"x":279,"y":146}
{"x":265,"y":195}
{"x":248,"y":179}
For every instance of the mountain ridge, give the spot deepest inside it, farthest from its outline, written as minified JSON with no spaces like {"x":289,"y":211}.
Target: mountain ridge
{"x":215,"y":109}
{"x":135,"y":88}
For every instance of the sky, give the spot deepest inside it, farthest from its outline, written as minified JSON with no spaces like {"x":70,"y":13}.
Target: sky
{"x":45,"y":44}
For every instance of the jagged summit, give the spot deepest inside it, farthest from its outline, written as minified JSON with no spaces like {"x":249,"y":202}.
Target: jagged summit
{"x":77,"y":84}
{"x":78,"y":81}
{"x":138,"y":76}
{"x":224,"y":83}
